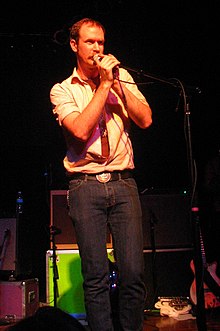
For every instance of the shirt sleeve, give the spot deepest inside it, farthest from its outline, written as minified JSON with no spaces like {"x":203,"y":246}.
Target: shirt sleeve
{"x":130,"y":84}
{"x":63,"y":101}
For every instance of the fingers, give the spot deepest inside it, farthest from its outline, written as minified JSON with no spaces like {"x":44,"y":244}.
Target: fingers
{"x":108,"y":62}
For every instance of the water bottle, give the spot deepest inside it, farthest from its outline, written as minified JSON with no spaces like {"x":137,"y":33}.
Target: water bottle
{"x":19,"y":203}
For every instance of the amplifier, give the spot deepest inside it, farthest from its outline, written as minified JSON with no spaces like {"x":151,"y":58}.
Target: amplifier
{"x":70,"y":282}
{"x":166,"y":221}
{"x":59,"y":218}
{"x":70,"y":291}
{"x":167,"y":273}
{"x":15,"y":239}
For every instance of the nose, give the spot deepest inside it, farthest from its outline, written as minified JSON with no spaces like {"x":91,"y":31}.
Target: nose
{"x":96,"y":45}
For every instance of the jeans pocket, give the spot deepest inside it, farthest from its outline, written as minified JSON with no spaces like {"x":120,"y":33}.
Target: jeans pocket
{"x":130,"y":182}
{"x":75,"y":184}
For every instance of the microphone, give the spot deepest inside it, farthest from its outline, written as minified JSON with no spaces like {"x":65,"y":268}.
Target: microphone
{"x":115,"y":70}
{"x":97,"y":58}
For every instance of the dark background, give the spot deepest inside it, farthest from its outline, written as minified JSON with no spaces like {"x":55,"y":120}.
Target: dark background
{"x":168,"y":39}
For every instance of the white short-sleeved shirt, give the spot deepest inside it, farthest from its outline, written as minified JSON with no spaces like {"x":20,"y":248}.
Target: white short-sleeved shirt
{"x":73,"y":95}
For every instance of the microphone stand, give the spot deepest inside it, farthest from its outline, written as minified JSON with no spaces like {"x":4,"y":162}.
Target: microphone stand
{"x":198,"y":261}
{"x":153,"y":221}
{"x":200,"y":309}
{"x":53,"y":232}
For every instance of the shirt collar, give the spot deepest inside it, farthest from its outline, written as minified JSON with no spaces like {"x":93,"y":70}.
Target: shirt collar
{"x":75,"y":77}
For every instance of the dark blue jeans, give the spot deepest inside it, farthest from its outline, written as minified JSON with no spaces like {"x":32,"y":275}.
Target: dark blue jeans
{"x":93,"y":206}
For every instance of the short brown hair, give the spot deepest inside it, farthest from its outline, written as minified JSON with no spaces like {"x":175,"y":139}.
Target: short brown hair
{"x":74,"y":30}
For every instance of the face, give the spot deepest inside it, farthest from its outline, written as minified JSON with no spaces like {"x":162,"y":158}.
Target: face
{"x":91,"y":42}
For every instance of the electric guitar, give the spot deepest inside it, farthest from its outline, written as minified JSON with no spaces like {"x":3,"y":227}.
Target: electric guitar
{"x":211,"y":300}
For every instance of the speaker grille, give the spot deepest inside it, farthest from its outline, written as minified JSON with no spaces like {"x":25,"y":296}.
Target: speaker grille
{"x":166,"y":221}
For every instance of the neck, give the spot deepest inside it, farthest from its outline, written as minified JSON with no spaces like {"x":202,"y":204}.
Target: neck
{"x":91,"y":77}
{"x":87,"y":72}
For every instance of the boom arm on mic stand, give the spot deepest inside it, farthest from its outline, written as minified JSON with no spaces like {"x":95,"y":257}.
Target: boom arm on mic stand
{"x":151,"y":76}
{"x":174,"y":82}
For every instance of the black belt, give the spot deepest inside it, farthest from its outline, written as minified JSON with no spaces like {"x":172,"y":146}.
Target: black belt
{"x":103,"y":177}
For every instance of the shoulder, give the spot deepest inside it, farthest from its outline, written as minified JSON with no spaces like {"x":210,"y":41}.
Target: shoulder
{"x":65,"y":83}
{"x":124,"y":74}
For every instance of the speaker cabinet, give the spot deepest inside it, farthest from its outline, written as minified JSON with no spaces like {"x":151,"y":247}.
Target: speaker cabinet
{"x":15,"y":244}
{"x":167,"y":274}
{"x":166,"y":221}
{"x":70,"y":281}
{"x":59,"y":218}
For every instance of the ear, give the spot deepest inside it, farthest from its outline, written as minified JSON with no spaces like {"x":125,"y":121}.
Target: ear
{"x":73,"y":45}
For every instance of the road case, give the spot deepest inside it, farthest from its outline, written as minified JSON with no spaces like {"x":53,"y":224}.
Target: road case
{"x":19,"y":299}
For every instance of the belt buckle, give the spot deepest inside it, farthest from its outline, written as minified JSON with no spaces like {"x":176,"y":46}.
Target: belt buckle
{"x":104,"y":177}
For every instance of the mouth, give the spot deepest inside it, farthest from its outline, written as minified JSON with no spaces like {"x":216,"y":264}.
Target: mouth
{"x":93,"y":60}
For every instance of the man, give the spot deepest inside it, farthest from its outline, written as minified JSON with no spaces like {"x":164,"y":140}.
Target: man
{"x":94,"y":106}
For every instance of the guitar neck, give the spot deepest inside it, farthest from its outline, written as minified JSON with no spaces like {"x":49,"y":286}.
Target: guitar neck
{"x":203,"y":250}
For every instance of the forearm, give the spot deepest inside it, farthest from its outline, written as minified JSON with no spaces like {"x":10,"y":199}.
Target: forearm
{"x":81,"y":125}
{"x":139,"y":112}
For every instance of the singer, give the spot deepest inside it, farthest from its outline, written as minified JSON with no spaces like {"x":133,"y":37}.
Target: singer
{"x":94,"y":107}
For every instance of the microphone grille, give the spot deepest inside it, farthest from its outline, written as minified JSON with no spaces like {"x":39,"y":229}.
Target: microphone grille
{"x":97,"y":58}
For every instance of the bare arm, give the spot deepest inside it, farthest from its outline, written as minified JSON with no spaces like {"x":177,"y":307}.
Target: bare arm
{"x":81,"y":125}
{"x":139,"y":112}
